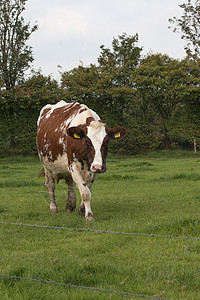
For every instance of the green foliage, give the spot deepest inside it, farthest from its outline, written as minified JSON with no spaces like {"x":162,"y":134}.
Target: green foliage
{"x":144,"y":194}
{"x":156,"y":98}
{"x":189,"y":26}
{"x":15,"y":55}
{"x":165,"y":87}
{"x":106,"y":88}
{"x":19,"y":110}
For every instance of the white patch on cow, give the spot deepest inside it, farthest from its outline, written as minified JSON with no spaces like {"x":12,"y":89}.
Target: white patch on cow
{"x":60,"y":141}
{"x":95,"y":116}
{"x":80,"y":119}
{"x":45,"y":140}
{"x":50,"y":155}
{"x":46,"y":147}
{"x":57,"y":167}
{"x":65,"y":125}
{"x":54,"y":106}
{"x":97,"y":133}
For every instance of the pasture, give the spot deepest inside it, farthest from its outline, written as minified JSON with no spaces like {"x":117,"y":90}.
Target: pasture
{"x":158,"y":194}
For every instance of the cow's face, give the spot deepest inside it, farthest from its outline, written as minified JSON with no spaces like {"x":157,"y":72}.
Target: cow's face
{"x":93,"y":142}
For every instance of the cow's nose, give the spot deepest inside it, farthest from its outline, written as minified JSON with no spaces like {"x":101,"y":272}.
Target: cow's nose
{"x":98,"y":169}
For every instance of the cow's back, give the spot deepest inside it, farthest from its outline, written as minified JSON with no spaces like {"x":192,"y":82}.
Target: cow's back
{"x":53,"y":122}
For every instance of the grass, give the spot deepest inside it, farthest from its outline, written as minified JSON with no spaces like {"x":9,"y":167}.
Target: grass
{"x":156,"y":193}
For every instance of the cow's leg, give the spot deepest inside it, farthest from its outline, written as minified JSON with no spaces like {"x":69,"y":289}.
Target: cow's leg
{"x":84,"y":192}
{"x":50,"y":185}
{"x":85,"y":208}
{"x":81,"y":209}
{"x":71,"y":201}
{"x":85,"y":200}
{"x":91,"y":178}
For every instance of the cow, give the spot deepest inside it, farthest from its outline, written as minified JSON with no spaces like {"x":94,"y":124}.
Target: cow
{"x":72,"y":144}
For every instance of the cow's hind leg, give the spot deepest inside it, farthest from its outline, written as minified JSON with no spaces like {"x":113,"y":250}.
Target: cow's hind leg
{"x":50,"y":185}
{"x":71,"y":201}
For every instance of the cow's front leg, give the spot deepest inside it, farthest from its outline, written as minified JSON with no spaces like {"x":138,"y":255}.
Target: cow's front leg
{"x":50,"y":185}
{"x":71,"y":201}
{"x":90,"y":180}
{"x":86,"y":198}
{"x":85,"y":208}
{"x":85,"y":194}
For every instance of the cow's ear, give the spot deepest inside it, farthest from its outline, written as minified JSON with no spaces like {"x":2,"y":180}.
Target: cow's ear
{"x":76,"y":133}
{"x":117,"y":132}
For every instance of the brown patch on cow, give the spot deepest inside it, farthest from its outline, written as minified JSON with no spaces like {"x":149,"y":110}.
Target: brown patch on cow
{"x":52,"y":136}
{"x":85,"y":197}
{"x":89,"y":120}
{"x":81,"y":149}
{"x":53,"y":128}
{"x":76,"y":150}
{"x":82,"y":110}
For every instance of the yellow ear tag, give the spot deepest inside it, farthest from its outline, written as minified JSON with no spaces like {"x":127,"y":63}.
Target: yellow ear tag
{"x":76,"y":136}
{"x":117,"y":135}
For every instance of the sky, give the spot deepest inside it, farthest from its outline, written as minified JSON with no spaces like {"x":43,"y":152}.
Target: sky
{"x":70,"y":32}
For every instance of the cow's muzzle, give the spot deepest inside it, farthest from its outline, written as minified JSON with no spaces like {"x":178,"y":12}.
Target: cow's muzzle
{"x":98,"y":169}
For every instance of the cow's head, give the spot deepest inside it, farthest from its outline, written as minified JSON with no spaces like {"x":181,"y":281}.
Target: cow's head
{"x":93,"y":141}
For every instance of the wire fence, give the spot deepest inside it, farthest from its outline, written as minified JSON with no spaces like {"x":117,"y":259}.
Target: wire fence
{"x":82,"y":287}
{"x":92,"y":231}
{"x":102,"y":231}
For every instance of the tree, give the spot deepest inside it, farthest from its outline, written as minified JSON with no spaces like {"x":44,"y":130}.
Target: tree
{"x":107,"y":87}
{"x":18,"y":130}
{"x":189,"y":26}
{"x":122,"y":59}
{"x":116,"y":67}
{"x":166,"y":89}
{"x":15,"y":55}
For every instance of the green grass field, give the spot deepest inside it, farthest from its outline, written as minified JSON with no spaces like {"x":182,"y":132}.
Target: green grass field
{"x":158,"y":193}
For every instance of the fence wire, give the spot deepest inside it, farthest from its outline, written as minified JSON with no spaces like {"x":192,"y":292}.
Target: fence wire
{"x":82,"y":287}
{"x":95,"y":231}
{"x":101,"y":231}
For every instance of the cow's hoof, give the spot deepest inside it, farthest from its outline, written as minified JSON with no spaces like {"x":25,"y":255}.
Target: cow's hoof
{"x":53,"y":210}
{"x":89,"y":218}
{"x":70,"y":209}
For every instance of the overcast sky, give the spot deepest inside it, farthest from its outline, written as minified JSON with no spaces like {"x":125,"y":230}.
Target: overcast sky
{"x":71,"y":31}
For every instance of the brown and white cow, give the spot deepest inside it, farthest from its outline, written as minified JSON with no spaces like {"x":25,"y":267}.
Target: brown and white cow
{"x":72,"y":144}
